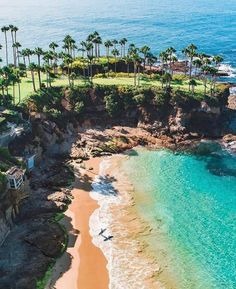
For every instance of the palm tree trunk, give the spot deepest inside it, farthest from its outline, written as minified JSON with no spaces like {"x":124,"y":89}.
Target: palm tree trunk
{"x":14,"y":93}
{"x":13,"y":49}
{"x":68,"y":72}
{"x":135,"y":73}
{"x":6,"y":45}
{"x":128,"y":68}
{"x":39,"y":72}
{"x":33,"y":80}
{"x":138,"y":75}
{"x":91,"y":71}
{"x":19,"y":92}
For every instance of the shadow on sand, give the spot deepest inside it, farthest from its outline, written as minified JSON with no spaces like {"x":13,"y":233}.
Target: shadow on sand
{"x":104,"y":186}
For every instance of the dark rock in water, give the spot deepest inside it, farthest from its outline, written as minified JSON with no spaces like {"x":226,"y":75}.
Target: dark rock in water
{"x":205,"y":148}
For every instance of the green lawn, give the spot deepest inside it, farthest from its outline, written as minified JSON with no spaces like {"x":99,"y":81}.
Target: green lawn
{"x":27,"y":88}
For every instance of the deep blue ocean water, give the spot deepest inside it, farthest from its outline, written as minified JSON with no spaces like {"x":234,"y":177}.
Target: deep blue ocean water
{"x":159,"y":23}
{"x":190,"y":202}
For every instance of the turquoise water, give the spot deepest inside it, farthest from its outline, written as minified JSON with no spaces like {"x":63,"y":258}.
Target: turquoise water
{"x":190,"y":202}
{"x":159,"y":23}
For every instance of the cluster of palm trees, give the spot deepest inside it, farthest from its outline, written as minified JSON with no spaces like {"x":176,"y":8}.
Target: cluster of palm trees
{"x":59,"y":60}
{"x":197,"y":65}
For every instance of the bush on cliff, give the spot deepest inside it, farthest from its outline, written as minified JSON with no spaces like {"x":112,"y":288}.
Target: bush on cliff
{"x":113,"y":104}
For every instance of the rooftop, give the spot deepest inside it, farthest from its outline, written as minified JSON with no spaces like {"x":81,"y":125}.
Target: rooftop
{"x":15,"y":172}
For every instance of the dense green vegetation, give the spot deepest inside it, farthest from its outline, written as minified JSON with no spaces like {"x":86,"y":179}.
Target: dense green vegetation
{"x":117,"y":100}
{"x":94,"y":61}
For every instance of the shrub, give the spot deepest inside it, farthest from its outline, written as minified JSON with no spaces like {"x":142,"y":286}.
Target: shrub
{"x":113,"y":104}
{"x":184,"y":99}
{"x":3,"y":182}
{"x":179,"y":78}
{"x":161,"y":98}
{"x":79,"y":107}
{"x":140,"y":99}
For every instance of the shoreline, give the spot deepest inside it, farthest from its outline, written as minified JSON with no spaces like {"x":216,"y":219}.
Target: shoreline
{"x":104,"y":198}
{"x":82,"y":259}
{"x":117,"y":215}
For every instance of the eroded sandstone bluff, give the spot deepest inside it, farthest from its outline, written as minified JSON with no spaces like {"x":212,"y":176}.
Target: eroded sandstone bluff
{"x":35,"y":238}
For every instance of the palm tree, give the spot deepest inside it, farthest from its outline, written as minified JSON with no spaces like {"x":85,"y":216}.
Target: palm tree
{"x":24,"y":53}
{"x":17,"y":45}
{"x":145,"y":50}
{"x":166,"y":79}
{"x":122,"y":43}
{"x":136,"y":59}
{"x":217,"y":60}
{"x":185,"y":51}
{"x":192,"y":84}
{"x":171,"y":57}
{"x":191,"y":53}
{"x":28,"y":52}
{"x":11,"y":28}
{"x":115,"y":53}
{"x":33,"y":68}
{"x":213,"y":72}
{"x":39,"y":52}
{"x":115,"y":42}
{"x":205,"y":70}
{"x":90,"y":59}
{"x":68,"y":44}
{"x":13,"y":80}
{"x":197,"y":64}
{"x":108,"y":44}
{"x":99,"y":43}
{"x":4,"y":29}
{"x":68,"y":61}
{"x":73,"y":77}
{"x":18,"y":81}
{"x":128,"y":60}
{"x":151,"y":60}
{"x":164,"y":60}
{"x":6,"y":72}
{"x":53,"y":46}
{"x":15,"y":29}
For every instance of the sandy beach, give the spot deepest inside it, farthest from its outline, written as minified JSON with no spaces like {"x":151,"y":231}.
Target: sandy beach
{"x":130,"y":265}
{"x":103,"y":198}
{"x":83,"y":265}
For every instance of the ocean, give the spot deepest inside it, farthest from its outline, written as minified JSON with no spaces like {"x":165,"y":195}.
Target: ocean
{"x":189,"y":201}
{"x":158,"y":23}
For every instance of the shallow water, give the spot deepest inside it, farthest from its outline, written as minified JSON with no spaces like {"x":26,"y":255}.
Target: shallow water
{"x":190,"y":202}
{"x":159,"y":23}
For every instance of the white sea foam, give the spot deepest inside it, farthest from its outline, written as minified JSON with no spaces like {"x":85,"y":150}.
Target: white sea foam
{"x":227,"y":68}
{"x":127,"y":268}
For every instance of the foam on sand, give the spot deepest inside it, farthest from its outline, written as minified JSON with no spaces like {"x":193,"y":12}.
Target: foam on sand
{"x":128,"y":265}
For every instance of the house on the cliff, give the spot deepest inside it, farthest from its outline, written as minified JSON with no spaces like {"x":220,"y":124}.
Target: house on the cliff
{"x":15,"y":177}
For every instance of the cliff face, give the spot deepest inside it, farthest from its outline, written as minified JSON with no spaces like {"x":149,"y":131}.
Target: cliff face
{"x":9,"y":208}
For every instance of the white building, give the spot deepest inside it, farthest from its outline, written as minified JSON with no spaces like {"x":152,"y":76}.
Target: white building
{"x":15,"y":177}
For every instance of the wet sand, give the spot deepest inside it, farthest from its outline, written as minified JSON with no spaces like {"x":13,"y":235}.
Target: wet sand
{"x":130,"y":263}
{"x":83,"y":265}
